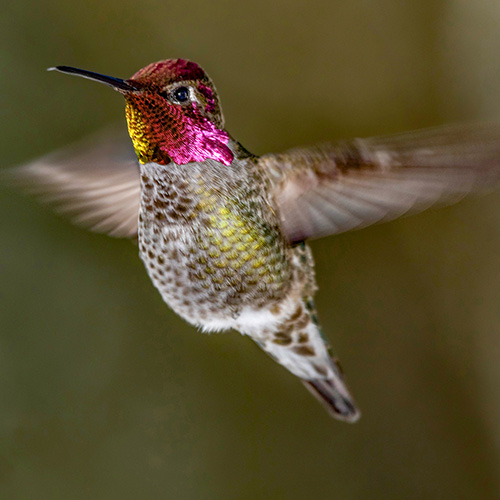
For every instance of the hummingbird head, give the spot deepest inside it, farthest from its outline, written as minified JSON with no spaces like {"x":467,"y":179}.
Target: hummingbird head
{"x":173,"y":112}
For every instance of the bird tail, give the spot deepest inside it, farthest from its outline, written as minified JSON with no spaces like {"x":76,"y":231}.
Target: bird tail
{"x":335,"y":397}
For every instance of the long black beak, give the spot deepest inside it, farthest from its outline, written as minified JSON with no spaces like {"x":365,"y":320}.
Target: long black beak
{"x":116,"y":83}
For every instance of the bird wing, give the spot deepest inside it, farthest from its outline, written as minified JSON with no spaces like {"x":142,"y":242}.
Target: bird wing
{"x":96,"y":183}
{"x":347,"y":185}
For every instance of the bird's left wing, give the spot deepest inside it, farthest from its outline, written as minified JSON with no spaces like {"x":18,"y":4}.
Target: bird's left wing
{"x":95,"y":183}
{"x":351,"y":184}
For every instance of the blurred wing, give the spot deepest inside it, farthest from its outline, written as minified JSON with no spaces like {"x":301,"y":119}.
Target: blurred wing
{"x":96,"y":183}
{"x":351,"y":184}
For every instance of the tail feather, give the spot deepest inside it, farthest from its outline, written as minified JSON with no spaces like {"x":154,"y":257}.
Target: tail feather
{"x":339,"y":405}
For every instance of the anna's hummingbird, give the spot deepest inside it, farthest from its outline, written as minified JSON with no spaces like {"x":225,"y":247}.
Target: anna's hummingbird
{"x":221,"y":231}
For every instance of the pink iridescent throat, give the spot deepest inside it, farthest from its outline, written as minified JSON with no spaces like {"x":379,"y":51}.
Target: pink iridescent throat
{"x":164,"y":132}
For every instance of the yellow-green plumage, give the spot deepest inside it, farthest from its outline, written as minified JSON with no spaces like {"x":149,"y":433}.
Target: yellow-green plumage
{"x":220,"y":242}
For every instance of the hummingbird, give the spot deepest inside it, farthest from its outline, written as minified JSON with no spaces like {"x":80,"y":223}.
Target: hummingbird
{"x":222,"y":232}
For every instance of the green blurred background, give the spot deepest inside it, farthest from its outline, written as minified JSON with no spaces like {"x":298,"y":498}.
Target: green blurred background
{"x":105,"y":393}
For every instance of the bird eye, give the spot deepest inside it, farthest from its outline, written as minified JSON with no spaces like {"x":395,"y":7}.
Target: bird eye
{"x":181,"y":94}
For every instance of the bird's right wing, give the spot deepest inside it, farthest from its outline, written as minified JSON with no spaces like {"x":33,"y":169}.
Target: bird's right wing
{"x":95,"y":183}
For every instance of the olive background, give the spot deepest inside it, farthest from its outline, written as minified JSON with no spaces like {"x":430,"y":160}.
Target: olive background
{"x":105,"y":393}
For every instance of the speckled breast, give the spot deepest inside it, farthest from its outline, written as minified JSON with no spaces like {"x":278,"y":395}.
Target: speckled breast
{"x":210,"y":240}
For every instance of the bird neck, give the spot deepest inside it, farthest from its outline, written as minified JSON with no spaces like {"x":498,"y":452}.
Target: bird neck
{"x":176,"y":193}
